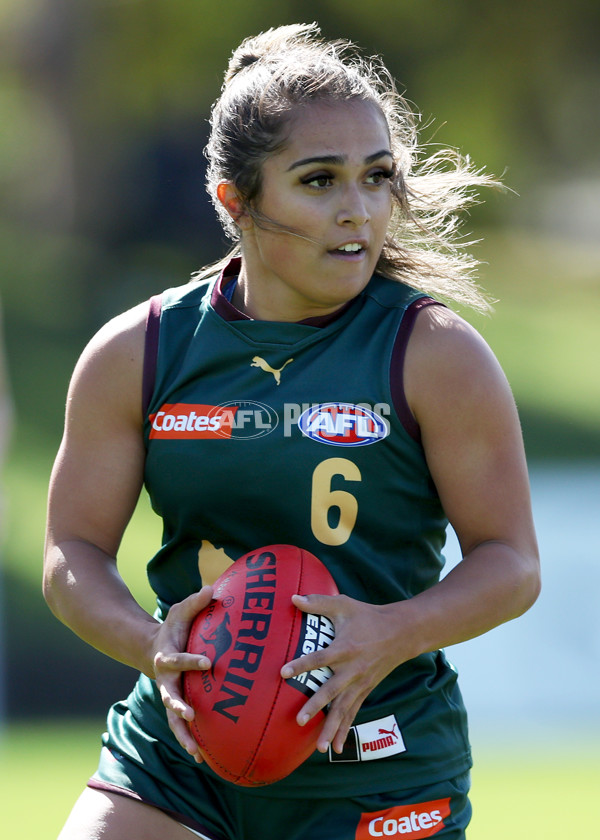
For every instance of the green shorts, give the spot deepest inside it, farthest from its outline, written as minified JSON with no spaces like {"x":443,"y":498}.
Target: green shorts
{"x":221,"y":811}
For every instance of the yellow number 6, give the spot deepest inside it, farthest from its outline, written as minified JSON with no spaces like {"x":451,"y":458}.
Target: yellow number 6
{"x":324,"y":498}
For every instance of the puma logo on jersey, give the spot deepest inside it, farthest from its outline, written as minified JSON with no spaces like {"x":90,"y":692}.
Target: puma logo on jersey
{"x":259,"y":362}
{"x":371,"y":740}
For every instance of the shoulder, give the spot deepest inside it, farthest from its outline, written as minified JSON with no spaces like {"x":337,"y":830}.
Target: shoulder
{"x":120,"y":339}
{"x":109,"y":371}
{"x":449,"y":367}
{"x":444,"y":343}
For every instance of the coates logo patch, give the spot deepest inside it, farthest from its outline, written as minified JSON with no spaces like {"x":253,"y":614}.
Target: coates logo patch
{"x":405,"y":821}
{"x":245,"y":419}
{"x":342,"y":424}
{"x":191,"y":420}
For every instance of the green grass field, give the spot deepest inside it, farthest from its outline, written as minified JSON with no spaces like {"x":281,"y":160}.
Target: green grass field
{"x":520,"y":795}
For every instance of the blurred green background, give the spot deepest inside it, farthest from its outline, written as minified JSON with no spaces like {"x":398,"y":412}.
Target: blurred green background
{"x":103,"y":117}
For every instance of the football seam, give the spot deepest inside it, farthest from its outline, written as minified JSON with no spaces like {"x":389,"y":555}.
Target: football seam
{"x":232,"y":777}
{"x":270,"y":715}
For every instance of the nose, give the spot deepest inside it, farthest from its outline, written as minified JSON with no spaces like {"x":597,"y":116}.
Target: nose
{"x":353,"y":210}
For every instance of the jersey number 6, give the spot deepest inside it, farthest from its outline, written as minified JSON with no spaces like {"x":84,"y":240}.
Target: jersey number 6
{"x":323,"y":499}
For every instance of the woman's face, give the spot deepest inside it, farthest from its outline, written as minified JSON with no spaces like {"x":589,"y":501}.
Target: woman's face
{"x":331,"y":186}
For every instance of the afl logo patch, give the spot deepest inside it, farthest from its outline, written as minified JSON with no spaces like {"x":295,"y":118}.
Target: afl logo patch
{"x":342,"y":424}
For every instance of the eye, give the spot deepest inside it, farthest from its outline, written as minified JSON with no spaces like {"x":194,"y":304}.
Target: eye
{"x":379,"y":176}
{"x":318,"y":181}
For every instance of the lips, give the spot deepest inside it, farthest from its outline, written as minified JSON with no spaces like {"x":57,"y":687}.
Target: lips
{"x":353,"y":247}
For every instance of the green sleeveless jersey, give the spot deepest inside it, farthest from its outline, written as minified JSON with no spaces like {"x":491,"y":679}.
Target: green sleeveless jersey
{"x":265,"y":432}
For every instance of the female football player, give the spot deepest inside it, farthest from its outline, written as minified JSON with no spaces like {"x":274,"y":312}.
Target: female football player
{"x":327,"y":309}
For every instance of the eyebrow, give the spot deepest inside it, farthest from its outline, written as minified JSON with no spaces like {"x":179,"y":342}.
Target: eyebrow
{"x":337,"y":160}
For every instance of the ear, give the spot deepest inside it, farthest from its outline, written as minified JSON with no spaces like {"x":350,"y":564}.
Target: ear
{"x":234,"y":204}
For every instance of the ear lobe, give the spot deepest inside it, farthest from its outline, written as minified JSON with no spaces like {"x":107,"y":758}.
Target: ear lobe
{"x":233,"y":203}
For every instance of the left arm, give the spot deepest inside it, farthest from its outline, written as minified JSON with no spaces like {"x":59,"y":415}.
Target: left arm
{"x":474,"y":448}
{"x":473,"y":445}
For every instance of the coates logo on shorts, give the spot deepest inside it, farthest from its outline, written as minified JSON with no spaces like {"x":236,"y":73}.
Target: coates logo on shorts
{"x":405,"y":821}
{"x":242,"y":419}
{"x":343,"y":424}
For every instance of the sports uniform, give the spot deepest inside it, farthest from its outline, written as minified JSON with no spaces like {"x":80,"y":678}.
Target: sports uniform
{"x":260,"y":433}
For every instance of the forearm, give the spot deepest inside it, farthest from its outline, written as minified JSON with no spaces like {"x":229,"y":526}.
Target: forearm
{"x":85,"y":591}
{"x":491,"y":585}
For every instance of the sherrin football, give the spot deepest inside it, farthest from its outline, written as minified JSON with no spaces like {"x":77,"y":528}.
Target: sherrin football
{"x":245,"y":713}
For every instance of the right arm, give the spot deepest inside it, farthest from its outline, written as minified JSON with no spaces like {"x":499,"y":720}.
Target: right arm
{"x":95,"y":484}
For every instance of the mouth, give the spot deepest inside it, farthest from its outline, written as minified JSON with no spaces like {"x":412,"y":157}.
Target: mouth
{"x":349,"y":249}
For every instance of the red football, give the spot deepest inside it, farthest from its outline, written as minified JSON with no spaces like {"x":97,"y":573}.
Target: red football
{"x":245,"y":721}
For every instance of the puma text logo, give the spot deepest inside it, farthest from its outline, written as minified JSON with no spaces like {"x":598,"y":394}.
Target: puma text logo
{"x":260,"y":363}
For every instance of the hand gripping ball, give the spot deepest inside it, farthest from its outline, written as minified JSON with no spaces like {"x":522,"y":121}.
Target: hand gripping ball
{"x":245,"y":713}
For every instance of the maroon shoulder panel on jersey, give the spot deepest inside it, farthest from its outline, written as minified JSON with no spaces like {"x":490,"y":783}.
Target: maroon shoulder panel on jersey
{"x":397,"y":366}
{"x":151,"y":350}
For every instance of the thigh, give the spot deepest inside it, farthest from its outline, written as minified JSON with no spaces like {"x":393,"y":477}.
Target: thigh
{"x":99,"y":815}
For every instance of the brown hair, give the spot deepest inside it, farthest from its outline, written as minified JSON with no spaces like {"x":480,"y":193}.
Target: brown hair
{"x":272,"y":74}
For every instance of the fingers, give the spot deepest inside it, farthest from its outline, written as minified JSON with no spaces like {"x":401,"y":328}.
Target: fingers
{"x":171,"y":661}
{"x":168,"y":669}
{"x":318,"y":604}
{"x":342,"y":701}
{"x":174,"y":702}
{"x":329,"y":606}
{"x":333,"y":608}
{"x":164,"y":662}
{"x":309,"y":662}
{"x":356,"y":656}
{"x":337,"y":725}
{"x":172,"y":635}
{"x":342,"y":695}
{"x":186,"y":610}
{"x":184,"y":736}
